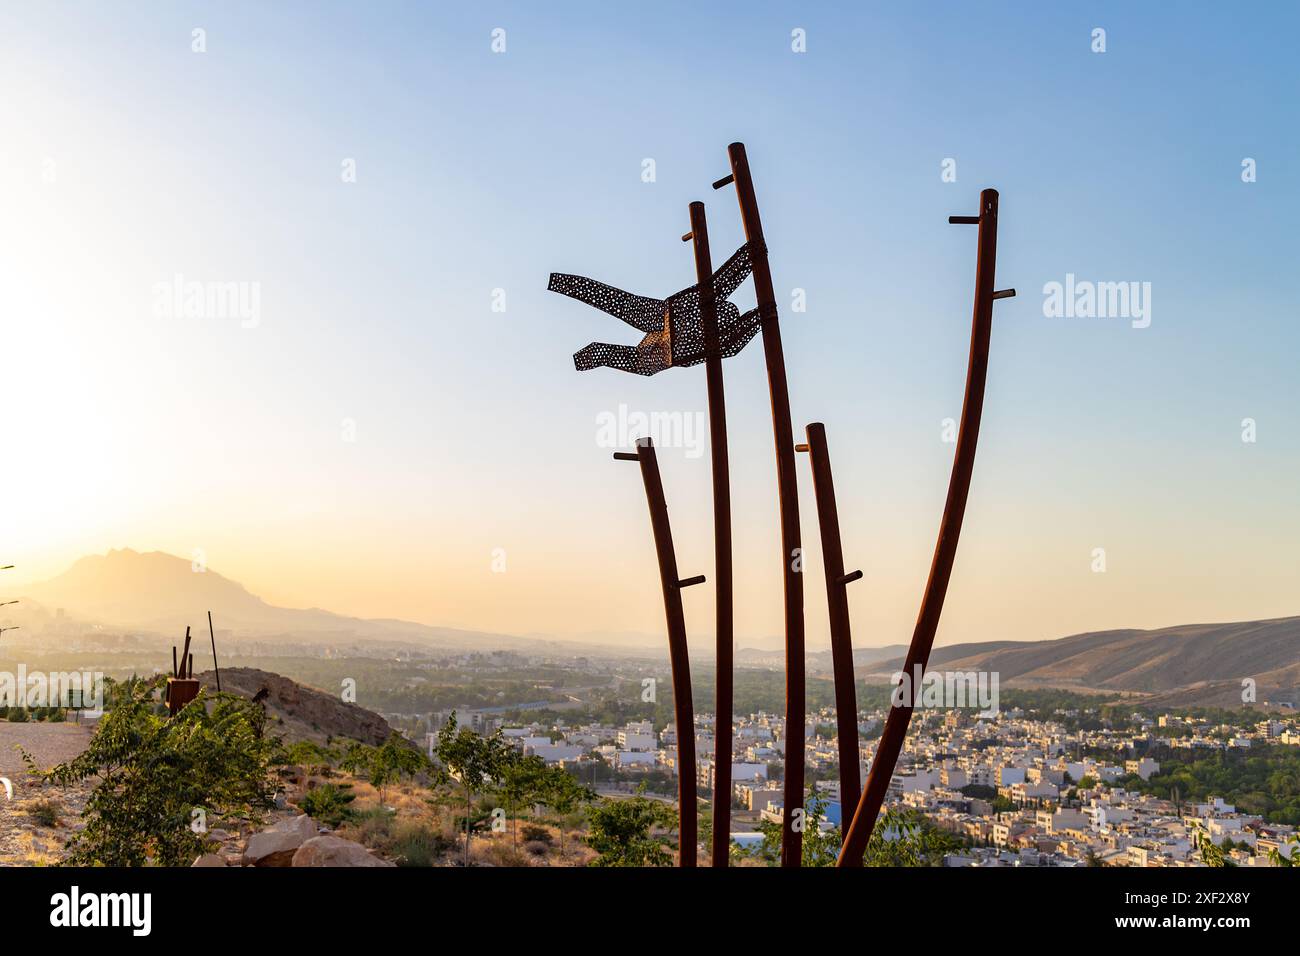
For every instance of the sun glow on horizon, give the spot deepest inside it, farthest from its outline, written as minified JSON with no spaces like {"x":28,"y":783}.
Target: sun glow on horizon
{"x":374,"y":440}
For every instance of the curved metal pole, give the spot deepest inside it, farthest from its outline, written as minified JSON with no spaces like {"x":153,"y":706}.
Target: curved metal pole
{"x":722,"y":581}
{"x":788,"y":495}
{"x":945,"y":551}
{"x":837,"y":604}
{"x":687,"y":810}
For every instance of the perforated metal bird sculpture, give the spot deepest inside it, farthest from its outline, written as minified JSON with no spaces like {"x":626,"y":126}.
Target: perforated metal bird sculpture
{"x":673,"y":326}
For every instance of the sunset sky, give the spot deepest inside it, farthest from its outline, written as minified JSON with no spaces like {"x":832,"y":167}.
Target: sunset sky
{"x":369,"y":437}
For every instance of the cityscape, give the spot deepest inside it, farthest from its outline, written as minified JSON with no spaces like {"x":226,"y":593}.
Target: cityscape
{"x":1034,"y":777}
{"x":554,"y":453}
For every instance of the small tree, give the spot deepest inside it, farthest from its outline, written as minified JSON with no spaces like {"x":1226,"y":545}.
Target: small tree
{"x":154,"y":772}
{"x":311,"y":757}
{"x":384,"y":765}
{"x":357,"y":758}
{"x":898,"y":839}
{"x":475,"y":761}
{"x":819,"y":847}
{"x":393,"y":761}
{"x":621,"y":832}
{"x":522,"y":782}
{"x":564,"y":795}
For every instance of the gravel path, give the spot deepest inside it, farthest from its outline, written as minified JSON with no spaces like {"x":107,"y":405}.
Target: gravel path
{"x":24,"y":841}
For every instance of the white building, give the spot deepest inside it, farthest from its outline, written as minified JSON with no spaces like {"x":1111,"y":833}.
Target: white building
{"x":636,"y":740}
{"x":556,"y":753}
{"x":635,"y":758}
{"x":1144,"y":768}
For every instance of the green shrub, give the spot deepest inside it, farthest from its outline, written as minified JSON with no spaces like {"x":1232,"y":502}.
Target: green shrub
{"x":406,"y":842}
{"x":415,"y":844}
{"x":372,"y":825}
{"x":622,"y":832}
{"x":44,"y":812}
{"x":532,"y":832}
{"x":328,"y":803}
{"x":17,"y":715}
{"x":385,"y":765}
{"x":153,"y":772}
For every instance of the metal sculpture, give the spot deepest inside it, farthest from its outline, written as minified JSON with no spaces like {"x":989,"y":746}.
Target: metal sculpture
{"x":722,"y":580}
{"x":683,"y":711}
{"x":182,"y":687}
{"x":674,"y":335}
{"x":788,"y":500}
{"x":837,"y":604}
{"x":215,"y":669}
{"x":699,"y":325}
{"x":674,"y":326}
{"x":945,"y":551}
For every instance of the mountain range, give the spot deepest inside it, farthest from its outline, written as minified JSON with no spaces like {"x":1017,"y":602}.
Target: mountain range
{"x":161,"y":593}
{"x":1180,"y":665}
{"x":1205,"y":664}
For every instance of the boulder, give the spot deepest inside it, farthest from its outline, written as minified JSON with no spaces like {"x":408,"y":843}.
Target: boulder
{"x":335,"y":851}
{"x":209,"y":859}
{"x":276,"y":846}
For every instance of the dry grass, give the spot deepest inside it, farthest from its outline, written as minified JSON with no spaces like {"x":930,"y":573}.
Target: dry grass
{"x":413,"y":821}
{"x":43,"y":812}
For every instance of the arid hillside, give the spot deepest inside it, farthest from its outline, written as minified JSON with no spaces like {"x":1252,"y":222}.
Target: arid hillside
{"x":301,"y":712}
{"x":1183,"y":665}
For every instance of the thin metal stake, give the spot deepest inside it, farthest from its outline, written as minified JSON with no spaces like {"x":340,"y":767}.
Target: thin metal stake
{"x":945,"y":550}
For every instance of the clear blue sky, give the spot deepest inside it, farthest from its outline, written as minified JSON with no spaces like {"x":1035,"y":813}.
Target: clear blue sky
{"x":478,"y":171}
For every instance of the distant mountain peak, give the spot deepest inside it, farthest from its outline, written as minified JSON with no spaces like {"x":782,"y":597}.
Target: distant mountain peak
{"x":130,"y":588}
{"x":161,"y":593}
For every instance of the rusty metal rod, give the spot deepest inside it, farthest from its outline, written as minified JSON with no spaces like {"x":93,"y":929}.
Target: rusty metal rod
{"x":723,"y":580}
{"x":215,"y":669}
{"x":677,"y":653}
{"x":945,"y":551}
{"x":788,"y":495}
{"x":837,"y":604}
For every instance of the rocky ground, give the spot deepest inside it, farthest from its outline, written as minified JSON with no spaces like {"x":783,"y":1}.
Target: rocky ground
{"x":27,"y":837}
{"x":406,"y":827}
{"x":386,"y":833}
{"x":38,"y":819}
{"x":299,"y":712}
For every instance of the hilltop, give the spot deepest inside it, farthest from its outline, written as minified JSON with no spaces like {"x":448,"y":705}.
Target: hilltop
{"x":301,"y":712}
{"x":1190,"y":664}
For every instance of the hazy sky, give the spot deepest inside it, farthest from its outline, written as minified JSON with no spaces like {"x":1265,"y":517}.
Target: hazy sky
{"x":127,"y":159}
